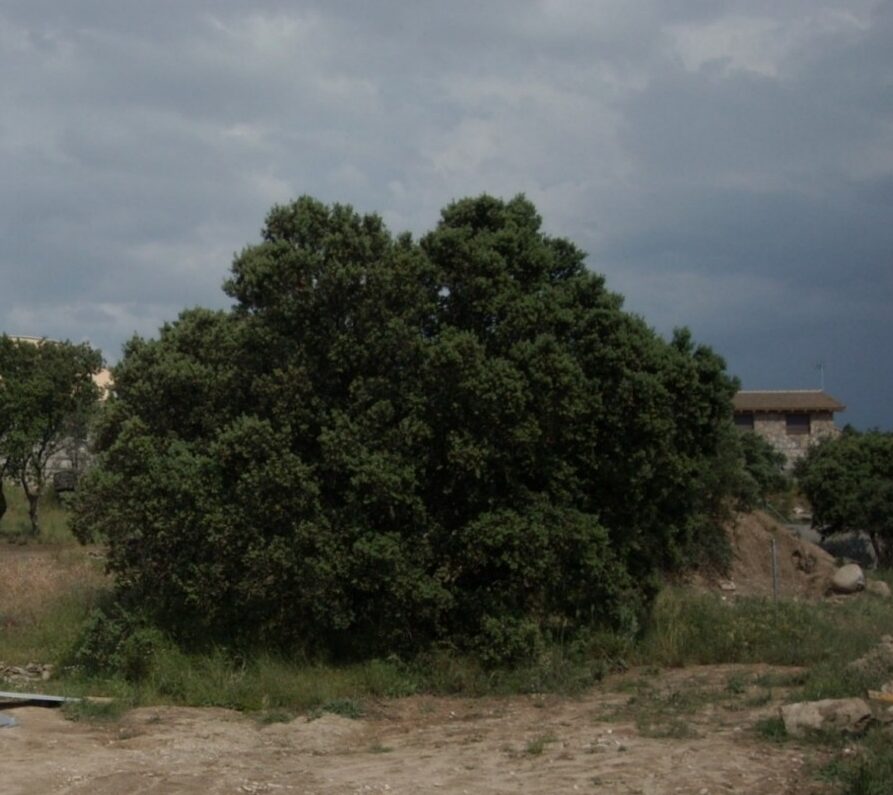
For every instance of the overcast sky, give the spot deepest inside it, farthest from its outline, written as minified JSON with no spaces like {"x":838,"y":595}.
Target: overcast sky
{"x":727,"y":165}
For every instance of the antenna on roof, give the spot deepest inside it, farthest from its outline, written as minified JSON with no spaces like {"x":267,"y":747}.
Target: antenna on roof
{"x":820,"y":366}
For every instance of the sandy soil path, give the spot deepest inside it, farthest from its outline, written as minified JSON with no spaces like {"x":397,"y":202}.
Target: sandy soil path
{"x":413,"y":745}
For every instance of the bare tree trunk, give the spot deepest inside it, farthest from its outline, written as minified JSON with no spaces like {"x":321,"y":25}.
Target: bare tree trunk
{"x":2,"y":499}
{"x":32,"y":492}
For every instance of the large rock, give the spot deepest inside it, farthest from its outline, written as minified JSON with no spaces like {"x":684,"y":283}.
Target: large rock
{"x":846,"y":715}
{"x":848,"y":579}
{"x":878,"y":588}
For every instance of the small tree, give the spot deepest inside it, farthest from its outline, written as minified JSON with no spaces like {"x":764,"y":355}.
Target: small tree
{"x":849,"y":482}
{"x":762,"y":472}
{"x":47,"y":396}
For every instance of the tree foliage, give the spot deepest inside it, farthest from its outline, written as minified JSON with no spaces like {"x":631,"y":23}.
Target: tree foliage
{"x":764,"y":466}
{"x":848,"y":480}
{"x":387,"y":443}
{"x":46,"y":395}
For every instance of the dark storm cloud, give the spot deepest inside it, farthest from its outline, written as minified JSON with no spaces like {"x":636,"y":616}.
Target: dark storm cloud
{"x":765,"y":223}
{"x":728,"y":165}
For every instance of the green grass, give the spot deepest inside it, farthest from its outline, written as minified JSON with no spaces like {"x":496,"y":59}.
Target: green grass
{"x":268,"y":683}
{"x":868,"y":770}
{"x":538,"y":744}
{"x":695,"y":629}
{"x":15,"y":526}
{"x":772,"y":729}
{"x":345,"y":707}
{"x":556,"y":670}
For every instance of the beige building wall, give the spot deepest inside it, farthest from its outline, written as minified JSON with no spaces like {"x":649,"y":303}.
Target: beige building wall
{"x":773,"y":427}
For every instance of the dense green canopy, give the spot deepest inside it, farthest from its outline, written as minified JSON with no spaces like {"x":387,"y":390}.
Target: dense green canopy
{"x":387,"y":443}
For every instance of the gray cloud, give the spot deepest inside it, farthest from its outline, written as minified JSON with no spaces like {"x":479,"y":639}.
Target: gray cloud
{"x":728,"y":165}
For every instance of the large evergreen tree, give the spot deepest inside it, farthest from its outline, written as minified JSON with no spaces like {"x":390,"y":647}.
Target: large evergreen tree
{"x":386,"y":443}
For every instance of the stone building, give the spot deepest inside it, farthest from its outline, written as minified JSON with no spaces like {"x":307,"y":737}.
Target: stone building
{"x":790,"y":420}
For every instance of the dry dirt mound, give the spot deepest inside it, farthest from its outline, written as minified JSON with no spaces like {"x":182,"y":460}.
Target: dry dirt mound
{"x":804,"y":569}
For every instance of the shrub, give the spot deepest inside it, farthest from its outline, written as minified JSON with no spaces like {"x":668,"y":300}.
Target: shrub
{"x":388,"y":444}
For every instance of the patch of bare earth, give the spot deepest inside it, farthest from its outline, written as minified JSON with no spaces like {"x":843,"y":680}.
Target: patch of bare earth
{"x":425,"y":744}
{"x":804,"y":569}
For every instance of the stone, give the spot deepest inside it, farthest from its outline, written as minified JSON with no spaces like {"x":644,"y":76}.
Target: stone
{"x":848,"y":579}
{"x":878,"y":588}
{"x":25,"y":673}
{"x":846,"y":715}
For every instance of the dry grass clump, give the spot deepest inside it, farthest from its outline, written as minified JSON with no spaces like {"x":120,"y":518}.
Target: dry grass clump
{"x":45,"y":593}
{"x":34,"y":579}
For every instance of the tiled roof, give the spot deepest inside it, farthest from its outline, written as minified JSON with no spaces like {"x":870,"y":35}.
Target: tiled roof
{"x":786,"y":400}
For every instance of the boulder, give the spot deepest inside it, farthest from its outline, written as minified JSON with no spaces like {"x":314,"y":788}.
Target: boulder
{"x":878,"y":588}
{"x":848,"y":579}
{"x":845,"y":715}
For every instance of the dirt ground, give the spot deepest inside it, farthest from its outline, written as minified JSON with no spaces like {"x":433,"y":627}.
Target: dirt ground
{"x":685,"y":731}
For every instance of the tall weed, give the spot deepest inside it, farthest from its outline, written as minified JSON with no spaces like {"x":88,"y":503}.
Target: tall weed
{"x":690,"y":629}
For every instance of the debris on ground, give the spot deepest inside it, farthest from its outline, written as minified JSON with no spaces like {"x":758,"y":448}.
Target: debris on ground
{"x":32,"y":672}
